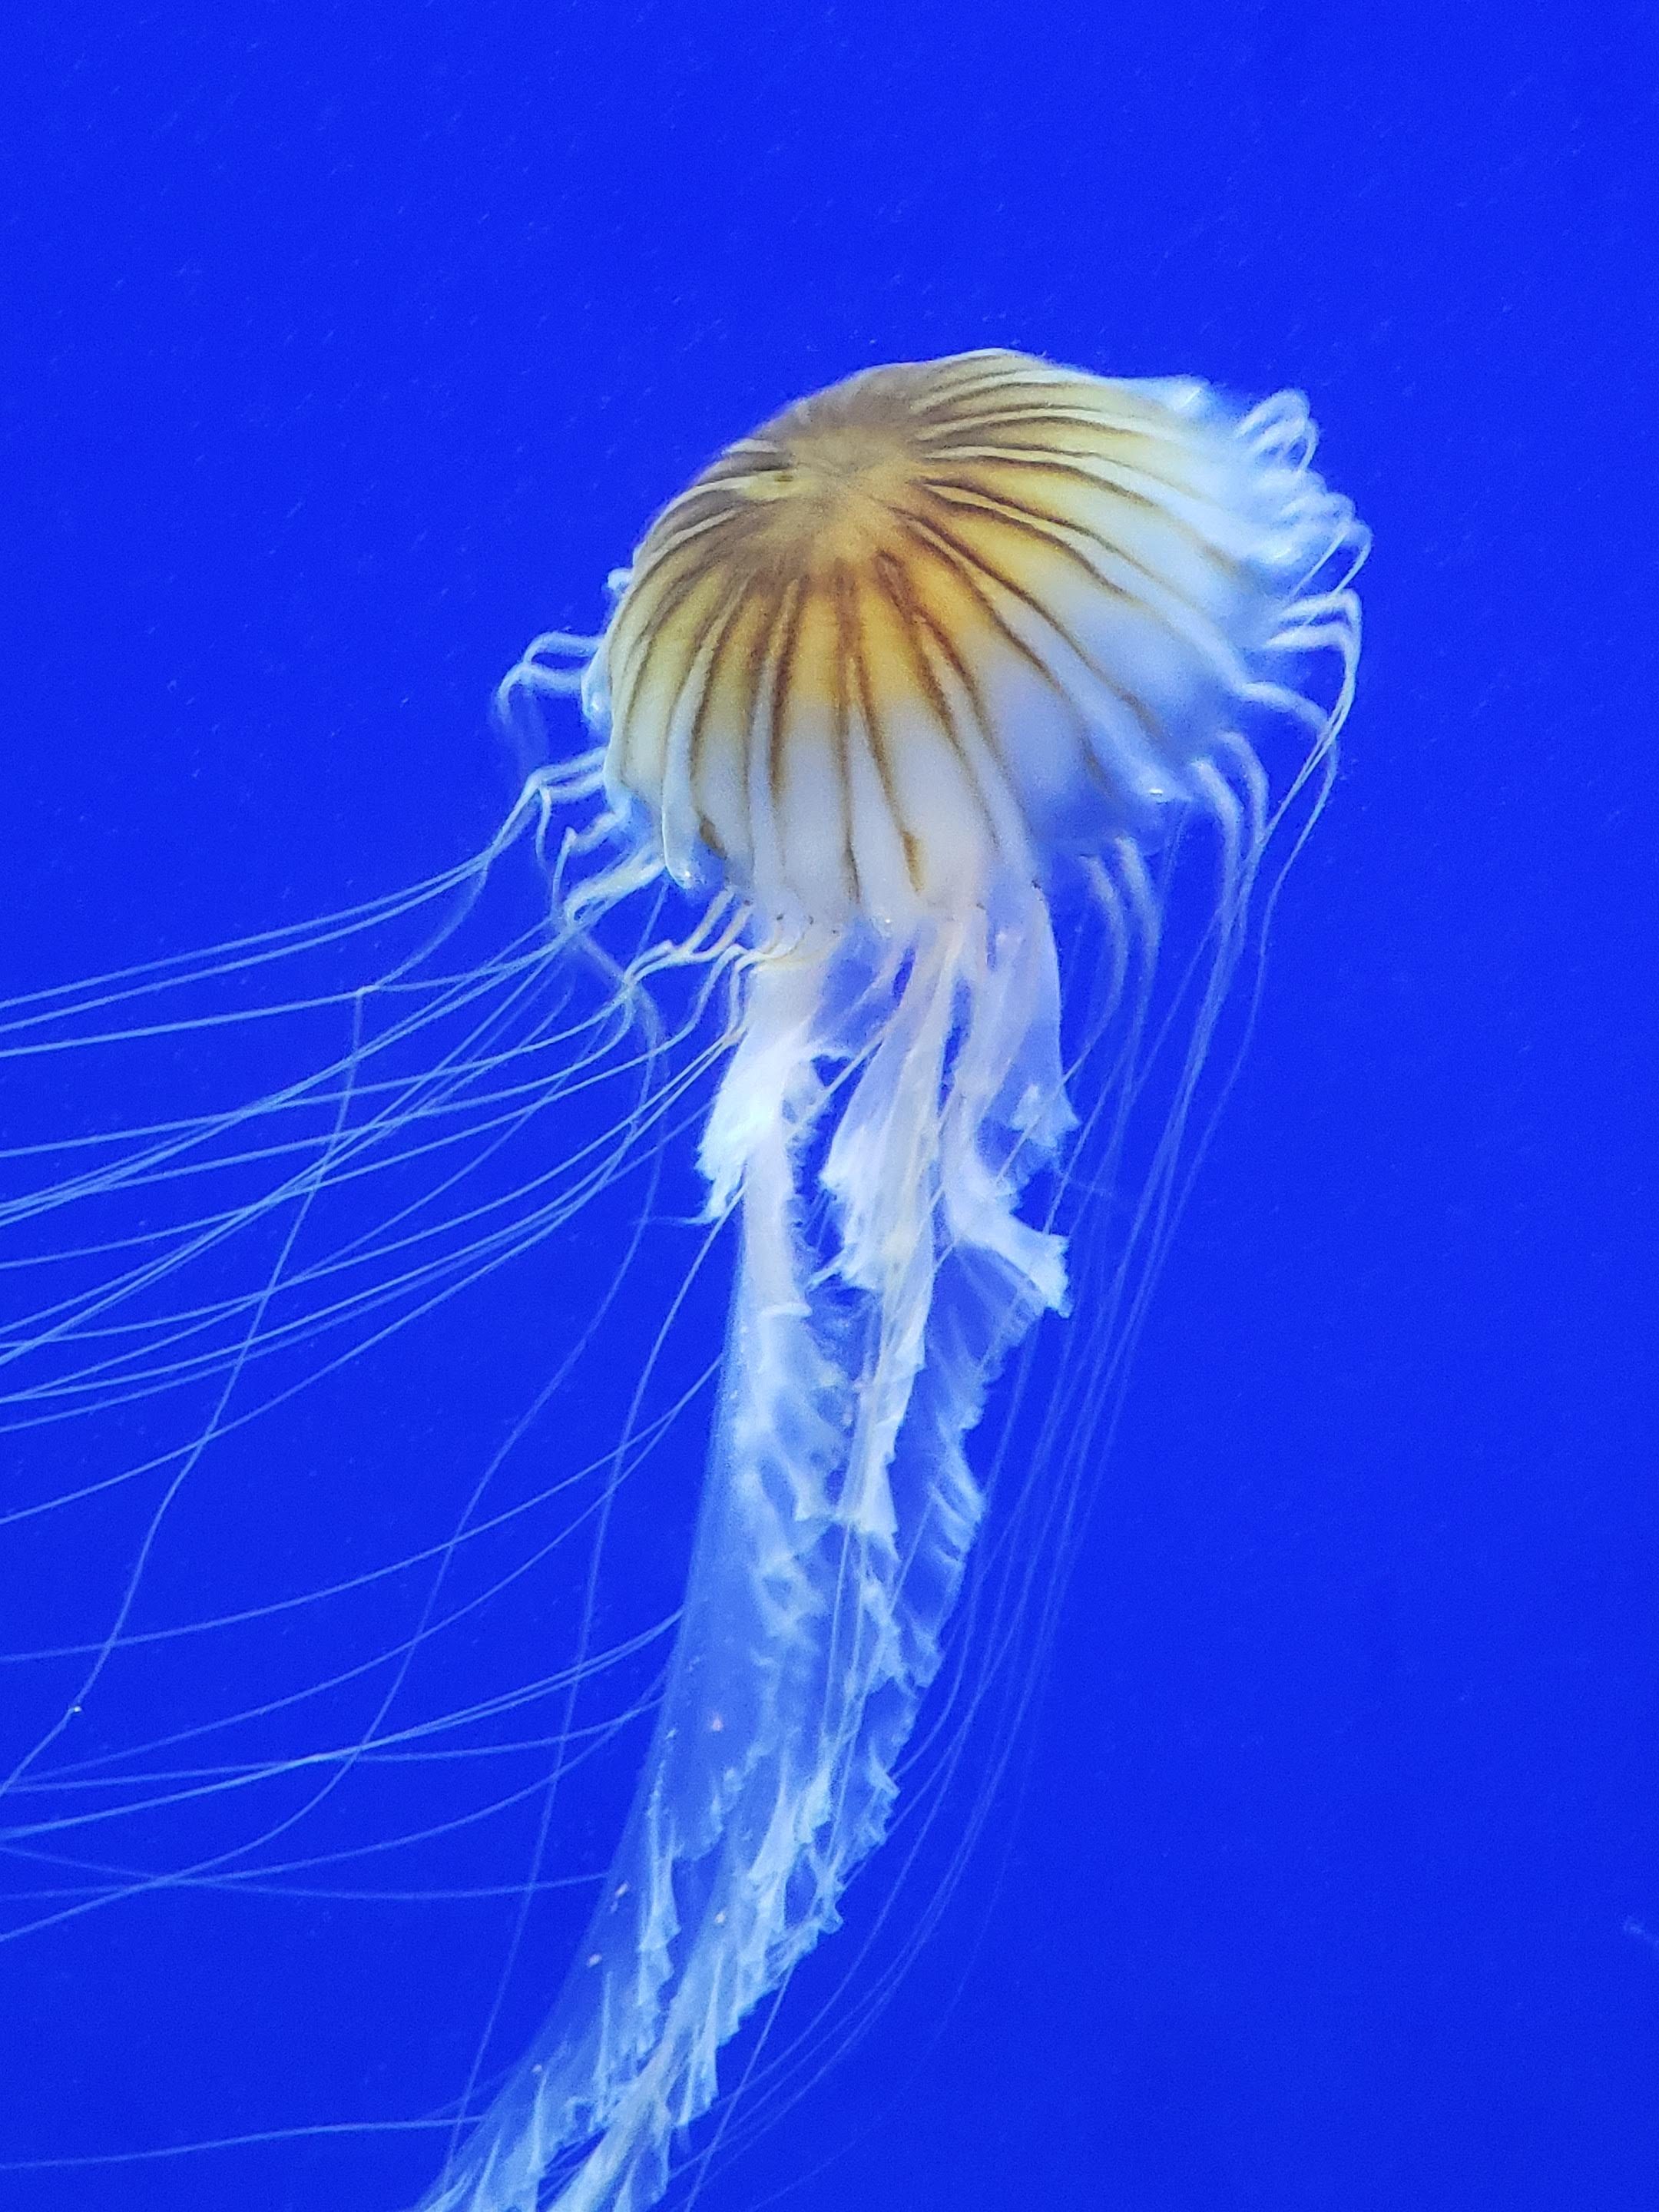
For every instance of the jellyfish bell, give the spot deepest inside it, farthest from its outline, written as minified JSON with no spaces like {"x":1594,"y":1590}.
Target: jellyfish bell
{"x":943,"y":620}
{"x":935,"y":659}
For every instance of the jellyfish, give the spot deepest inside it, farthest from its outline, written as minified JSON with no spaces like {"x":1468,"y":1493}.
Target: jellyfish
{"x":907,"y":714}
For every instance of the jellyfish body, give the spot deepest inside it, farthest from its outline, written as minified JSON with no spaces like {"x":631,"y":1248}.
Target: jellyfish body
{"x":887,"y":672}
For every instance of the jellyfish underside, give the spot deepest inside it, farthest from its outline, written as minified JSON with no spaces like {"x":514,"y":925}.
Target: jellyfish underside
{"x":937,"y":654}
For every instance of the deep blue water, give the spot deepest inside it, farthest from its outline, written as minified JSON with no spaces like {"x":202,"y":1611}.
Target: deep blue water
{"x":343,"y":349}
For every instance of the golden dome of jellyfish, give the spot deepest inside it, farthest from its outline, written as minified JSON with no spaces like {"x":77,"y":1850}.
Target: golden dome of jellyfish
{"x":937,"y":620}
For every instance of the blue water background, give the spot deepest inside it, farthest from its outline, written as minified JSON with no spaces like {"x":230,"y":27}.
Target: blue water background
{"x":345,"y":348}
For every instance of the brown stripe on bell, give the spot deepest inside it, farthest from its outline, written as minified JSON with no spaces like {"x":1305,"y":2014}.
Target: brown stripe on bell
{"x":941,"y":618}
